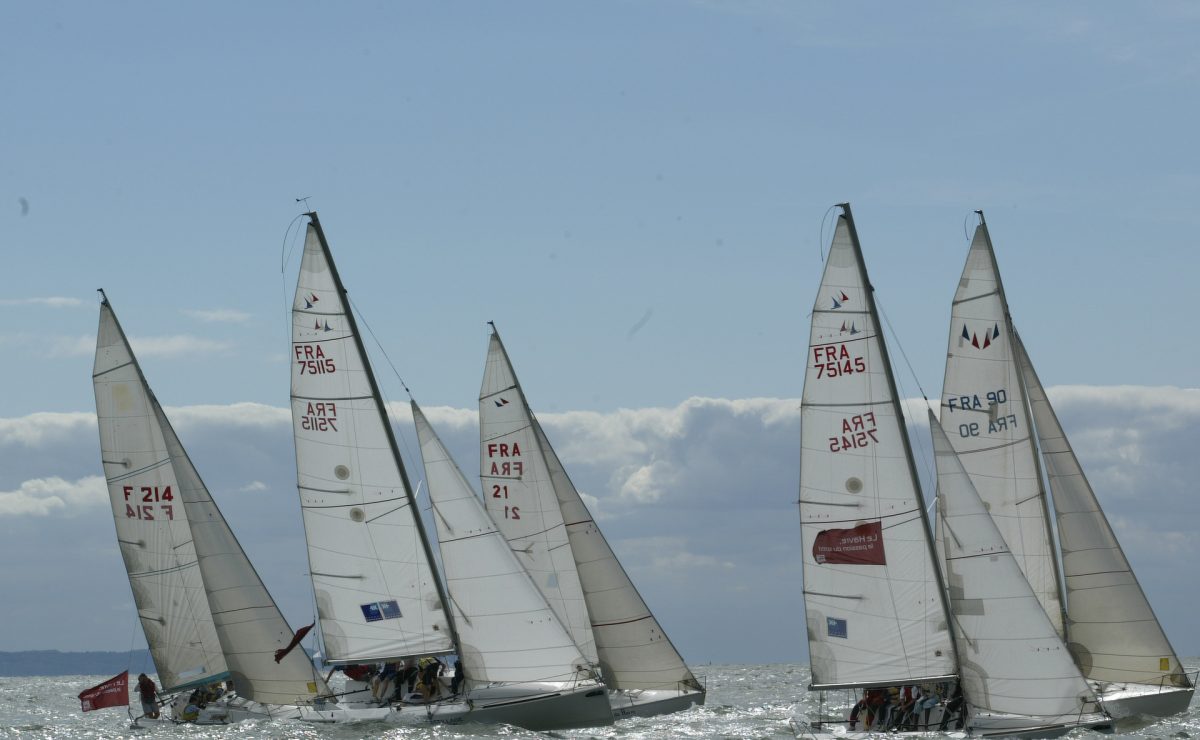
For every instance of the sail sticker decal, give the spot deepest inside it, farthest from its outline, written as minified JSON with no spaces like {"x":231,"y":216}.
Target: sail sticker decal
{"x":838,"y":303}
{"x":834,"y":360}
{"x":857,"y":432}
{"x":852,"y":329}
{"x":312,"y":360}
{"x":317,"y":326}
{"x":501,"y":402}
{"x":972,"y":338}
{"x":379,"y":610}
{"x":310,"y":300}
{"x":861,"y":545}
{"x":836,"y":628}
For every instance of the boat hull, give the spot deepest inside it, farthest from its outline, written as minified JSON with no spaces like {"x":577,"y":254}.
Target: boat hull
{"x":537,"y":707}
{"x":1137,"y":700}
{"x":652,"y":702}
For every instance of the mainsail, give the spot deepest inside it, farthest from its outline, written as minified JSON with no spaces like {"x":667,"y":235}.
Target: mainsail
{"x":377,"y":595}
{"x":872,"y":592}
{"x":1114,"y":634}
{"x":507,"y":632}
{"x":521,"y":498}
{"x":985,"y":415}
{"x":152,"y":526}
{"x":1011,"y":659}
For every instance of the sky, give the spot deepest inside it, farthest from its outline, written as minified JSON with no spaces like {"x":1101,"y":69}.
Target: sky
{"x":639,"y":195}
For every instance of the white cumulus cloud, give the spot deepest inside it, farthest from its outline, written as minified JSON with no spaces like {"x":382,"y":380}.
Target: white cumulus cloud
{"x":54,"y":495}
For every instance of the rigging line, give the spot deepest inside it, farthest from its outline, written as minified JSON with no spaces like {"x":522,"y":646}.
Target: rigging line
{"x":821,"y":238}
{"x":285,"y":257}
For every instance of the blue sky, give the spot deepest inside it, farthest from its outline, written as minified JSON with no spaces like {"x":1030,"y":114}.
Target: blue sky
{"x":637,"y":193}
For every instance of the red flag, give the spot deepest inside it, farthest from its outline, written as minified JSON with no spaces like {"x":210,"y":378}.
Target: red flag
{"x":112,"y":693}
{"x":862,"y":545}
{"x":296,"y":638}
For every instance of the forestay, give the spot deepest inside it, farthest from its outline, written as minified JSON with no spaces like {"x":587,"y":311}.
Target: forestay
{"x":634,"y":651}
{"x":871,"y":593}
{"x":521,"y":499}
{"x":507,"y":632}
{"x":985,"y":417}
{"x":152,"y":526}
{"x":1011,"y":659}
{"x":377,"y":598}
{"x":248,"y":622}
{"x":1114,"y":634}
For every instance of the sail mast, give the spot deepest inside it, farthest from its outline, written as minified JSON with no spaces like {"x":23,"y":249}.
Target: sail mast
{"x":1037,"y":458}
{"x":891,"y":379}
{"x":387,"y":426}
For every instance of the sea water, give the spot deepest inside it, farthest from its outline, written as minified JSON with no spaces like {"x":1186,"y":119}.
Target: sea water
{"x":744,"y":701}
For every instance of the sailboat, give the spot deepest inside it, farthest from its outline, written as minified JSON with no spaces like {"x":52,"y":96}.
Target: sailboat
{"x":875,"y":599}
{"x":205,"y":612}
{"x":533,"y":502}
{"x":996,"y":413}
{"x":379,"y":597}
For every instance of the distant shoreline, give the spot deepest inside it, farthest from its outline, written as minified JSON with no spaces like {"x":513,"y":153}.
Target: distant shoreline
{"x":59,"y":663}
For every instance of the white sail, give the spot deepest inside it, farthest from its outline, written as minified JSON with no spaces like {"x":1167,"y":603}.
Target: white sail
{"x":634,"y":651}
{"x":872,"y":596}
{"x":377,"y":597}
{"x":152,"y":526}
{"x":1114,"y":634}
{"x":521,"y":499}
{"x":248,"y":622}
{"x":1012,"y":661}
{"x":985,"y":417}
{"x":507,"y":632}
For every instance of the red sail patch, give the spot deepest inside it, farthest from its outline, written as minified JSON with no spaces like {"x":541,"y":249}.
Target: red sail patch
{"x":862,"y":545}
{"x":112,"y":693}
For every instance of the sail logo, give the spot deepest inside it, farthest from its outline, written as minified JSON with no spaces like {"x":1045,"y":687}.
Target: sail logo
{"x":972,"y":338}
{"x":861,"y":545}
{"x":838,"y":300}
{"x":836,"y":628}
{"x":377,"y":611}
{"x":310,"y":299}
{"x":851,"y":330}
{"x":501,"y":402}
{"x":317,"y":326}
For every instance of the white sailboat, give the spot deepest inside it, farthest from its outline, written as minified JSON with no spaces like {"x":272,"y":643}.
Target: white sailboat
{"x":533,"y":502}
{"x":372,"y":566}
{"x":206,"y":614}
{"x":994,"y":408}
{"x":875,"y":601}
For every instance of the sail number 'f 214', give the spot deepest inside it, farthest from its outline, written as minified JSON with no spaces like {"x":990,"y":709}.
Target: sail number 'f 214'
{"x":834,"y":360}
{"x":312,"y":360}
{"x":146,"y":503}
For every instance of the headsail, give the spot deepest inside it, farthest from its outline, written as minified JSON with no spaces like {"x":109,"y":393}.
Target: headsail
{"x":634,"y":651}
{"x":1114,"y":635}
{"x":872,"y":593}
{"x":521,"y":499}
{"x":249,"y":623}
{"x":1011,"y":659}
{"x":985,"y":416}
{"x":377,"y":596}
{"x":507,"y":632}
{"x":152,"y":526}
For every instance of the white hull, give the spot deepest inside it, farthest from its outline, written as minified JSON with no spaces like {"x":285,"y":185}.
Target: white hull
{"x":652,"y":702}
{"x":537,"y":707}
{"x":1137,"y":700}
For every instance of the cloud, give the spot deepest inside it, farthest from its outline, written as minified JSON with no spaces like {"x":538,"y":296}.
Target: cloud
{"x":44,"y":427}
{"x":253,"y":486}
{"x":48,"y":301}
{"x":173,"y":346}
{"x":218,"y":315}
{"x":46,"y":496}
